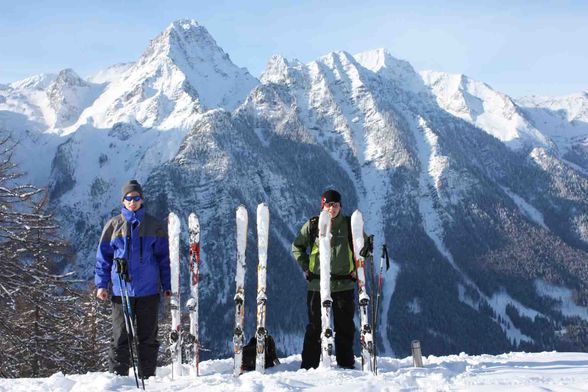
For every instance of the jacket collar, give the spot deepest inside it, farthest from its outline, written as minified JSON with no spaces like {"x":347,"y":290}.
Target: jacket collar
{"x":336,"y":221}
{"x":131,"y":216}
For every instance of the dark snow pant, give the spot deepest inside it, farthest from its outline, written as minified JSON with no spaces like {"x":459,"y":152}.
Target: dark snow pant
{"x":146,"y":310}
{"x":342,"y":314}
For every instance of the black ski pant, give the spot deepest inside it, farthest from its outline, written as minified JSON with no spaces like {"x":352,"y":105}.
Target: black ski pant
{"x":146,"y":311}
{"x":343,"y":312}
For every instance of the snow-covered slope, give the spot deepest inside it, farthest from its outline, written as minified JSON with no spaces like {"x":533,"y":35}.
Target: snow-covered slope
{"x":68,"y":96}
{"x":27,"y":101}
{"x":484,"y":107}
{"x":181,"y":73}
{"x":564,"y":119}
{"x":572,"y":108}
{"x":547,"y":371}
{"x":383,"y":63}
{"x":110,"y":74}
{"x":48,"y":101}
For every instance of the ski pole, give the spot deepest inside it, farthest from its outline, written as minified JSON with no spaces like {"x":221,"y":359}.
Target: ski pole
{"x":370,"y":262}
{"x":123,"y":277}
{"x":383,"y":258}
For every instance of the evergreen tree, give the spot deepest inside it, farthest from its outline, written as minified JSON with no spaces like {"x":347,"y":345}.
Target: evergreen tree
{"x":37,"y":306}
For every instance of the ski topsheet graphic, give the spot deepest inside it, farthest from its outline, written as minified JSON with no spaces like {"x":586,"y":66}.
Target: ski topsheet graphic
{"x":175,"y":336}
{"x":366,"y":336}
{"x":238,"y":337}
{"x":327,"y":334}
{"x":193,"y":302}
{"x":262,"y":240}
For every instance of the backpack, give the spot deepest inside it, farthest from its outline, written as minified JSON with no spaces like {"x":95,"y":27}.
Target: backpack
{"x":250,"y":352}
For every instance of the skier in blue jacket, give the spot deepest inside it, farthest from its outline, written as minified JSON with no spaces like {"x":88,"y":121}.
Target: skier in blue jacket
{"x":142,"y":241}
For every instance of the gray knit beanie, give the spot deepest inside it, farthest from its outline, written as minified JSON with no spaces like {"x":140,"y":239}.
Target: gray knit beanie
{"x":131,"y":186}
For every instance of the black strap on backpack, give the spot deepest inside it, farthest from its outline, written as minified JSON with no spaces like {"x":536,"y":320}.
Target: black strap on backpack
{"x":312,"y":276}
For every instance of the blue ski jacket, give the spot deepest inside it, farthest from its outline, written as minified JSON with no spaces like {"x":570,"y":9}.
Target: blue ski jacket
{"x":142,"y":240}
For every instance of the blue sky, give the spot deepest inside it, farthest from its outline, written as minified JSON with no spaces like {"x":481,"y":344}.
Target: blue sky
{"x":525,"y":47}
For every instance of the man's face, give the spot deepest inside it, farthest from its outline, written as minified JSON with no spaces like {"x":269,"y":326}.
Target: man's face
{"x":130,"y":202}
{"x":333,"y":208}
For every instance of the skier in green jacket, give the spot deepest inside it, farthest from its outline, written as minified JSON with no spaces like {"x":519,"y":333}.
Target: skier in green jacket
{"x":342,"y":284}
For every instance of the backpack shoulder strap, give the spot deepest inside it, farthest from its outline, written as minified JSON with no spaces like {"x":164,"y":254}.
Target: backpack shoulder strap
{"x":313,"y":230}
{"x":350,"y":239}
{"x":349,"y":233}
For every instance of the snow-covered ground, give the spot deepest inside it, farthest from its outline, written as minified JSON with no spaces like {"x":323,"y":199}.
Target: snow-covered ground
{"x":547,"y":371}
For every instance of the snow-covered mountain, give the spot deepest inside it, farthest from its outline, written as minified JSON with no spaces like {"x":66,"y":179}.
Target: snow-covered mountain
{"x":68,"y":96}
{"x":25,"y":105}
{"x":484,"y":211}
{"x":183,"y":72}
{"x":564,"y":120}
{"x":488,"y":109}
{"x":110,"y":74}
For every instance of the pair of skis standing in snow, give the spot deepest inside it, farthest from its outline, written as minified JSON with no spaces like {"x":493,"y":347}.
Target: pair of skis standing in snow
{"x":176,"y":338}
{"x":261,"y":335}
{"x":363,"y":256}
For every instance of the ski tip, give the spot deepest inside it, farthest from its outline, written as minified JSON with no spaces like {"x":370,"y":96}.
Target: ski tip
{"x":173,"y":223}
{"x":172,"y":218}
{"x":262,"y":214}
{"x":241,"y":213}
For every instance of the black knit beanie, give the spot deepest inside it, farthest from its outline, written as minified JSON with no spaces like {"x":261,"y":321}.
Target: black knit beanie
{"x":330,"y":196}
{"x":131,"y":186}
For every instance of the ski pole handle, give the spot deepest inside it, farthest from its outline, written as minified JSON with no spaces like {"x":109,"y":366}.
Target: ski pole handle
{"x":122,"y":268}
{"x":383,"y":259}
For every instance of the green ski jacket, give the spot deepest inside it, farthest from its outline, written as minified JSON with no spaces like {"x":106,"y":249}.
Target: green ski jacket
{"x":341,"y":254}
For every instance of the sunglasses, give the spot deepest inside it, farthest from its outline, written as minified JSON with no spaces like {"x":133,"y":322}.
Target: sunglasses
{"x":332,"y":204}
{"x":135,"y":198}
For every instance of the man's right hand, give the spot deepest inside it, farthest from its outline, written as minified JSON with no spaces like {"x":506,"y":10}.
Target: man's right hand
{"x":102,"y":294}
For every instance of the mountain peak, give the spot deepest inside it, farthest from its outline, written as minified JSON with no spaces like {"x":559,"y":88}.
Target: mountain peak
{"x":181,"y":40}
{"x":279,"y":69}
{"x":375,"y":59}
{"x":183,"y":24}
{"x":68,"y":96}
{"x":35,"y":82}
{"x":68,"y":77}
{"x":341,"y":56}
{"x":383,"y":63}
{"x":479,"y":104}
{"x":182,"y":72}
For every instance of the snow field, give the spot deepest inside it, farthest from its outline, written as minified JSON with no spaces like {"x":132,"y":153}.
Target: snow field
{"x":546,"y":371}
